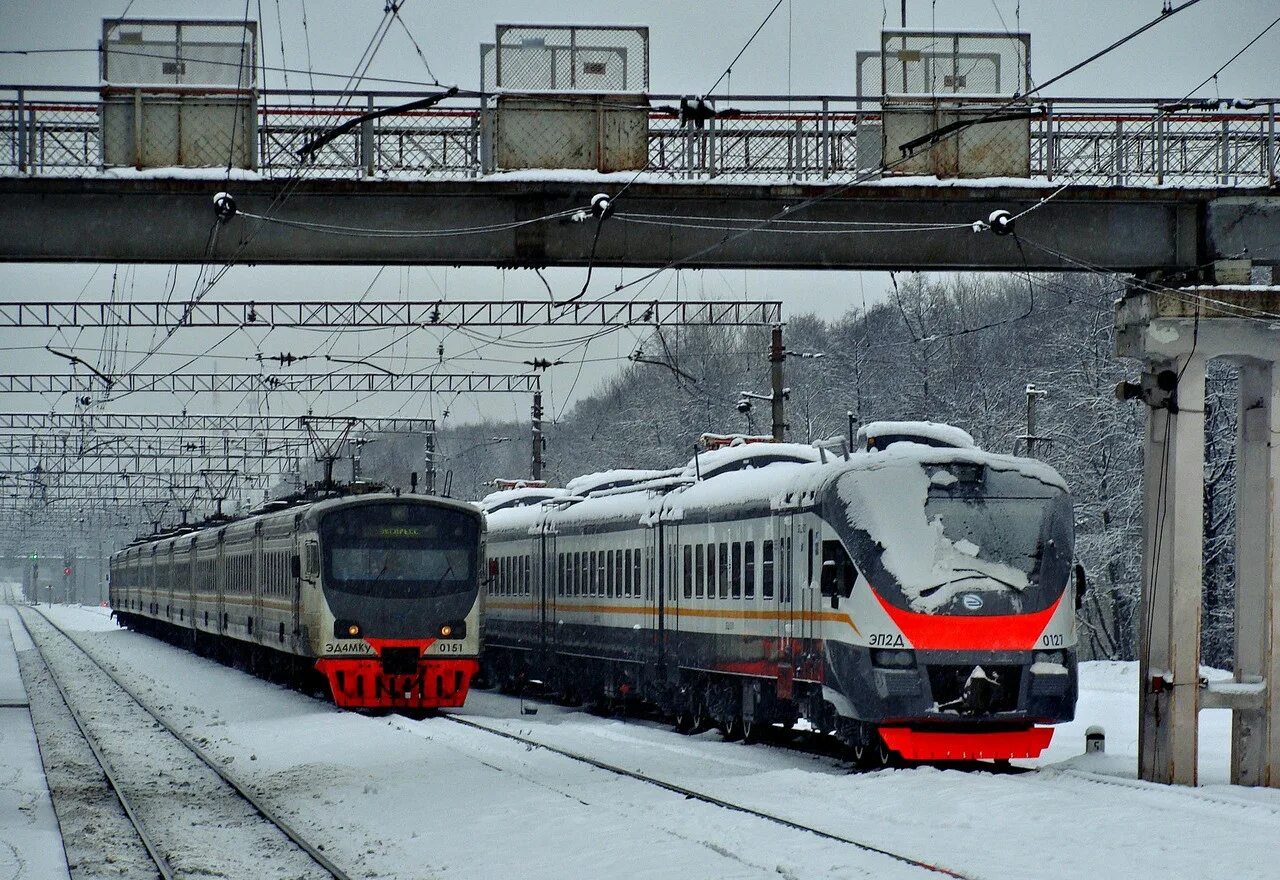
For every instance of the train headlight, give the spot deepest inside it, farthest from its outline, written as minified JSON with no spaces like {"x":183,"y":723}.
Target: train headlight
{"x":455,"y":630}
{"x":446,"y":631}
{"x":888,"y":659}
{"x":1056,"y":657}
{"x":346,"y":629}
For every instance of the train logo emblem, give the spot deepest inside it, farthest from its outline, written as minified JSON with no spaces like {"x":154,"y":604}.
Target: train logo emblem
{"x":972,"y":601}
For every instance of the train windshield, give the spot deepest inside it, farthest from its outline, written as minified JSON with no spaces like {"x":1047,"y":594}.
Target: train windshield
{"x":987,"y":542}
{"x":399,"y":550}
{"x":1000,"y":530}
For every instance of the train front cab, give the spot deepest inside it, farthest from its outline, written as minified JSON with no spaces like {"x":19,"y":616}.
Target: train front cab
{"x":400,"y":626}
{"x":974,"y":666}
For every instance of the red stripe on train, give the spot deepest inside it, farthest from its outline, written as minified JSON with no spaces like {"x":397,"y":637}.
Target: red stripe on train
{"x":998,"y":632}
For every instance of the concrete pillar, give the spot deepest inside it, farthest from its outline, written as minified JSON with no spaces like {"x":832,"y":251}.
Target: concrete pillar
{"x":1173,"y":510}
{"x":1255,"y":758}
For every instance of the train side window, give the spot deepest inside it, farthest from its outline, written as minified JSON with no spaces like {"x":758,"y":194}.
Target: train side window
{"x":766,"y":569}
{"x":609,"y":585}
{"x":749,"y":569}
{"x":626,"y":573}
{"x":700,"y":571}
{"x":593,"y":576}
{"x":735,"y":577}
{"x":637,"y":575}
{"x":722,"y":570}
{"x":809,"y":560}
{"x":559,"y":574}
{"x":618,"y":574}
{"x":528,"y":576}
{"x":688,"y":572}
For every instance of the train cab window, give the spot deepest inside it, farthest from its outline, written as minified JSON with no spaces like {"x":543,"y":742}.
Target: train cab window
{"x":838,"y":571}
{"x":766,"y":569}
{"x":688,"y":572}
{"x":735,"y":576}
{"x":749,"y":569}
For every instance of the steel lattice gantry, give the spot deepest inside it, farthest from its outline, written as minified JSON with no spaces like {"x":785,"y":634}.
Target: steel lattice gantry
{"x":160,"y":481}
{"x":209,"y":424}
{"x":87,"y":447}
{"x":326,"y":315}
{"x":188,"y":383}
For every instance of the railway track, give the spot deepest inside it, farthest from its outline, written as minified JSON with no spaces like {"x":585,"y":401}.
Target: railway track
{"x":244,"y":819}
{"x":704,"y":797}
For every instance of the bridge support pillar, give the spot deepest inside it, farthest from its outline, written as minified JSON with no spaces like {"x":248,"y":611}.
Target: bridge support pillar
{"x":1255,"y":756}
{"x":1176,"y":333}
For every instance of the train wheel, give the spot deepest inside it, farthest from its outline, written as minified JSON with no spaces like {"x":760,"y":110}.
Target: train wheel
{"x":731,"y":729}
{"x":751,"y":730}
{"x":699,"y":720}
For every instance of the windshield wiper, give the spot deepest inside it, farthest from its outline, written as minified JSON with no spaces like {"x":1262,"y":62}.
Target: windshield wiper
{"x":448,"y":571}
{"x":929,"y":591}
{"x":977,"y":573}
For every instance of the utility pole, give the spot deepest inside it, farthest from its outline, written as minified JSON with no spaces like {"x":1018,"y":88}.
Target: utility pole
{"x":777,"y":354}
{"x":1033,"y":393}
{"x":429,"y":462}
{"x":536,"y":468}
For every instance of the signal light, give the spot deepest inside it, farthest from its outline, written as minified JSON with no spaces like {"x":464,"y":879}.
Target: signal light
{"x":66,"y":570}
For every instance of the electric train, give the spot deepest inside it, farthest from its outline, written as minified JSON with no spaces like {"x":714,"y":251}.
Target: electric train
{"x":379,"y":594}
{"x":915,"y":597}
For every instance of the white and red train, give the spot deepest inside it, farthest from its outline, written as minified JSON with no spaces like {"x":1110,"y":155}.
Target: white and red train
{"x":912,"y":598}
{"x":378,"y":593}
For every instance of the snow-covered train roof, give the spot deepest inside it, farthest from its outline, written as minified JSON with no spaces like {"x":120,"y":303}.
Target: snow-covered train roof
{"x":611,"y":479}
{"x":748,"y":456}
{"x":932,"y":433}
{"x":523,"y":496}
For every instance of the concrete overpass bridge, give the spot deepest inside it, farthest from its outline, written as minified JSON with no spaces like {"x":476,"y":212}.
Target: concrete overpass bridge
{"x":1151,"y":186}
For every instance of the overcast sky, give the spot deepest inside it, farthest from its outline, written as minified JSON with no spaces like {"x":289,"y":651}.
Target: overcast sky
{"x":807,"y":47}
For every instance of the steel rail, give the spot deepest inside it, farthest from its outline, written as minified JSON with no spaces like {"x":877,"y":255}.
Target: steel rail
{"x":108,"y":772}
{"x":318,"y":856}
{"x":703,"y":797}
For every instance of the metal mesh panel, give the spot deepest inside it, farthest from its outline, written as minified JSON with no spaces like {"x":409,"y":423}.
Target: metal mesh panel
{"x":567,"y":57}
{"x":180,"y":53}
{"x":936,"y":63}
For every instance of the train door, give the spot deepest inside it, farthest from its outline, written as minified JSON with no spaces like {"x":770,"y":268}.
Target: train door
{"x":554,"y":575}
{"x":295,"y":585}
{"x":168,"y":590}
{"x":192,"y":581}
{"x":255,"y":582}
{"x":782,"y":588}
{"x":540,"y":589}
{"x":806,"y":544}
{"x":220,"y":580}
{"x":654,"y":591}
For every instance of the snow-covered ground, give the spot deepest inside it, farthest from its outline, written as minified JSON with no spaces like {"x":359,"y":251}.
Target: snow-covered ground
{"x":398,"y":798}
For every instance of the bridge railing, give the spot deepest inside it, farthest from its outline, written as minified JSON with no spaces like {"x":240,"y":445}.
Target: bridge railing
{"x":55,"y":131}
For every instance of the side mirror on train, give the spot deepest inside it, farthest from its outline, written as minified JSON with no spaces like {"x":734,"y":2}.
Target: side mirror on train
{"x":830,"y":578}
{"x":1082,"y":585}
{"x":295,"y":565}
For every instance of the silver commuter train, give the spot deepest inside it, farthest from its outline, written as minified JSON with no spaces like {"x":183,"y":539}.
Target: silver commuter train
{"x":914,"y":598}
{"x":379,"y":594}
